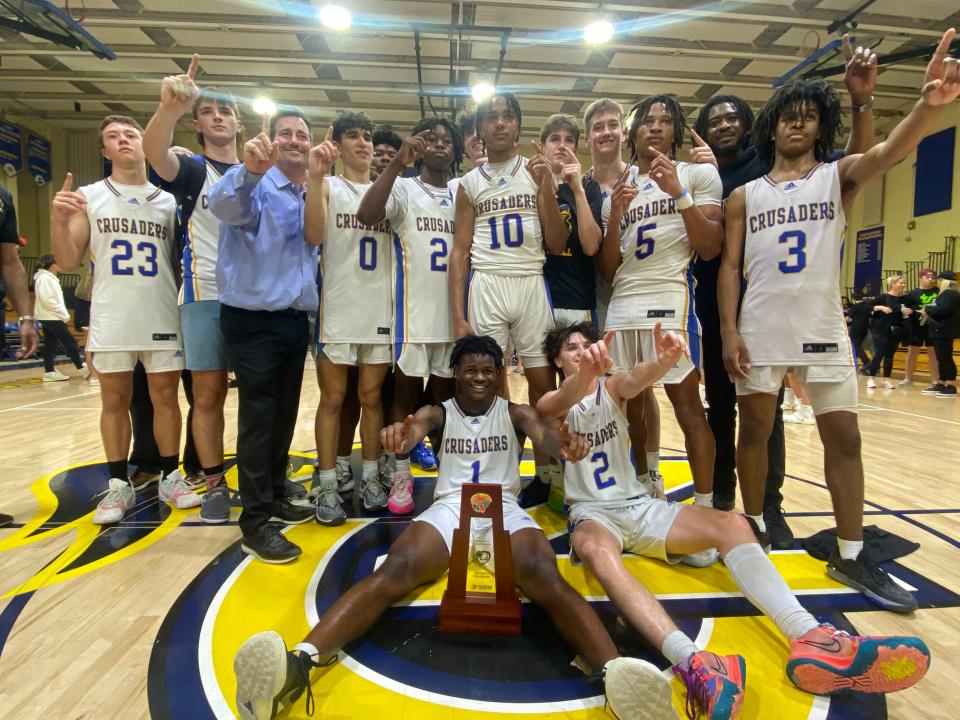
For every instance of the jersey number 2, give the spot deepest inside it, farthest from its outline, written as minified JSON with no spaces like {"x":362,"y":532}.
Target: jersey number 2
{"x":603,"y":465}
{"x":438,"y":257}
{"x":118,"y":263}
{"x":796,"y":255}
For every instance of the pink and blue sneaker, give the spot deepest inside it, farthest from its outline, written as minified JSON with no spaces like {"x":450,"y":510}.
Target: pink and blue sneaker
{"x":714,"y":685}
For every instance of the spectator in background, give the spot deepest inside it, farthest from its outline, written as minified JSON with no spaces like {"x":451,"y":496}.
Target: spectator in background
{"x":51,"y":311}
{"x":858,"y":325}
{"x":887,"y":330}
{"x":473,"y":148}
{"x":943,"y":318}
{"x":386,"y":145}
{"x":918,"y":332}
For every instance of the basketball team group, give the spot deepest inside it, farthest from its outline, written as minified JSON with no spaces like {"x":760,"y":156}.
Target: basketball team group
{"x":714,"y":249}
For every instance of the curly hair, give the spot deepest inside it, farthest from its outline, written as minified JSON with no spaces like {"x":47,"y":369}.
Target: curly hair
{"x":476,"y":345}
{"x":642,"y":109}
{"x":739,"y":104}
{"x":429,"y":124}
{"x":554,"y":340}
{"x":795,"y":95}
{"x":386,"y":136}
{"x":350,"y":121}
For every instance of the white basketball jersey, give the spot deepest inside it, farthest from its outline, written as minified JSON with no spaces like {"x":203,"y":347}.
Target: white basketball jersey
{"x":478,"y":448}
{"x":134,"y":303}
{"x":654,"y":282}
{"x":507,"y":237}
{"x":606,"y":473}
{"x":793,"y":249}
{"x":422,"y":218}
{"x":200,"y":249}
{"x":356,"y":303}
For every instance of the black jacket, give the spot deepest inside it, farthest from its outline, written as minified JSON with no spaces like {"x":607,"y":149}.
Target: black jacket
{"x":943,"y":315}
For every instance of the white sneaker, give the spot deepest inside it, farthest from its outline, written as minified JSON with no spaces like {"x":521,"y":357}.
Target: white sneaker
{"x":905,"y":383}
{"x":55,"y":376}
{"x":173,"y":489}
{"x":345,"y":481}
{"x":119,"y":498}
{"x":887,"y":385}
{"x":84,"y":372}
{"x":871,"y":383}
{"x":636,"y":690}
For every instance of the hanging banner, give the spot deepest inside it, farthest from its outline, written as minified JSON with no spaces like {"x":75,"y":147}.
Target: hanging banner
{"x":11,"y":147}
{"x":868,"y":264}
{"x":38,"y":158}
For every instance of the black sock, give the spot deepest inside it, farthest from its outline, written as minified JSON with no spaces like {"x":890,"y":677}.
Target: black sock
{"x":118,"y":469}
{"x":214,"y":475}
{"x":168,"y":464}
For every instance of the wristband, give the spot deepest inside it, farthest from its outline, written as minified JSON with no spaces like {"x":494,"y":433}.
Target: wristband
{"x":862,"y":108}
{"x":31,"y":318}
{"x":684,"y":201}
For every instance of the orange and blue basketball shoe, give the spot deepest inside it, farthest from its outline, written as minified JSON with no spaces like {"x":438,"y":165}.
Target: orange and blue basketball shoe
{"x":714,"y":685}
{"x":826,"y":661}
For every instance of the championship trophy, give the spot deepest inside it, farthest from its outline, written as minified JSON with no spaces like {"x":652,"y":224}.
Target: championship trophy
{"x":480,"y":595}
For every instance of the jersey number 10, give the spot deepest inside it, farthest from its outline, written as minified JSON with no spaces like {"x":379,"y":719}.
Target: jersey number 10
{"x":512,"y":236}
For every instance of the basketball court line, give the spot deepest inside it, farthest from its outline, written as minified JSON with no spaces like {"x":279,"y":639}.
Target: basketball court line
{"x":904,"y":412}
{"x":52,"y":400}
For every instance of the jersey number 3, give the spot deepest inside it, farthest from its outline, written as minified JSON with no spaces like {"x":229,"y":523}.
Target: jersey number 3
{"x":119,"y":262}
{"x":796,"y":253}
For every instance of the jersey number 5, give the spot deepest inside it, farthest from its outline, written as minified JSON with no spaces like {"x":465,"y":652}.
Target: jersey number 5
{"x":644,"y":244}
{"x":796,"y":255}
{"x":125,"y":254}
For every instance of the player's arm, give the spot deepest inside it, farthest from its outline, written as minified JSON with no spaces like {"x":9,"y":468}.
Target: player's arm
{"x":594,"y":363}
{"x":374,"y":204}
{"x":558,"y":443}
{"x":587,"y":208}
{"x":177,"y":95}
{"x":69,"y":226}
{"x":736,"y":360}
{"x":460,"y":263}
{"x":320,"y":162}
{"x":861,"y":80}
{"x":234,"y":199}
{"x":627,"y":385}
{"x":702,"y":219}
{"x":941,"y":87}
{"x":614,"y":208}
{"x":401,"y":437}
{"x":551,"y":221}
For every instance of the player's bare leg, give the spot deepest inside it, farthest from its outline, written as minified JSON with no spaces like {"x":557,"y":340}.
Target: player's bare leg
{"x":697,"y":435}
{"x":116,"y":391}
{"x":757,"y":412}
{"x":164,"y":389}
{"x":209,"y":395}
{"x":651,"y":421}
{"x":843,"y":470}
{"x":371,"y":409}
{"x":333,"y":385}
{"x":536,"y":574}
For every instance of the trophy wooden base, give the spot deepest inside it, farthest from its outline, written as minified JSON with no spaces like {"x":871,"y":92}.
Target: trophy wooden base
{"x":480,"y":613}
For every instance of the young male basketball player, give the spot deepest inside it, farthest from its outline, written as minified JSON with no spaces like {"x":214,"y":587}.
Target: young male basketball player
{"x":784,"y":234}
{"x":128,"y":224}
{"x":354,"y":325}
{"x":603,"y":135}
{"x":189,"y":178}
{"x":661,"y":216}
{"x":270,"y":677}
{"x":507,"y":213}
{"x":386,"y":145}
{"x":421,"y":212}
{"x":612,"y":513}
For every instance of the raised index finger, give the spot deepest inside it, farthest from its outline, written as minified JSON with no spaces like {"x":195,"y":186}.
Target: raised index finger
{"x":329,"y":136}
{"x":697,"y":139}
{"x":847,"y":50}
{"x":194,"y":66}
{"x":608,"y":338}
{"x":944,"y":47}
{"x":265,"y":125}
{"x":67,"y":183}
{"x":537,"y":146}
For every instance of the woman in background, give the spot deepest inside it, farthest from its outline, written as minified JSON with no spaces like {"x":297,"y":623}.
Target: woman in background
{"x":51,"y":312}
{"x":887,"y":330}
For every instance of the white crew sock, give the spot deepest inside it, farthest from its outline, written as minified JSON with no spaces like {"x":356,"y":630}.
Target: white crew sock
{"x":403,"y":465}
{"x":309,"y":649}
{"x":762,"y":585}
{"x":543,"y":474}
{"x":849,"y":549}
{"x":677,"y":648}
{"x":703,"y":499}
{"x":370,"y":468}
{"x":758,"y":519}
{"x":343,"y":461}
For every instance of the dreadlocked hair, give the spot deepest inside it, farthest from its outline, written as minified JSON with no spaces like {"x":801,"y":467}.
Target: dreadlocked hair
{"x":640,"y":111}
{"x":739,"y":104}
{"x":794,"y":95}
{"x":554,"y":340}
{"x":476,"y":345}
{"x":429,"y":124}
{"x":484,"y":107}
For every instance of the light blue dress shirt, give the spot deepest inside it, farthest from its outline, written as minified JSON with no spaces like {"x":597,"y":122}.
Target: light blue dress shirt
{"x":264,"y":262}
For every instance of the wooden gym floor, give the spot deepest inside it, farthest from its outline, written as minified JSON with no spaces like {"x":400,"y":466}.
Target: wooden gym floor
{"x":142,"y":619}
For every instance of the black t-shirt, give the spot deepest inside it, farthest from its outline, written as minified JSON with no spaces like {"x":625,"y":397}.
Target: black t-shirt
{"x":570,"y":276}
{"x":883,"y":324}
{"x":8,"y":218}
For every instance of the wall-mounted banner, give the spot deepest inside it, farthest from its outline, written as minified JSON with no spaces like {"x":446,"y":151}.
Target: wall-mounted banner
{"x":11,"y":147}
{"x":38,"y":157}
{"x":868,"y":264}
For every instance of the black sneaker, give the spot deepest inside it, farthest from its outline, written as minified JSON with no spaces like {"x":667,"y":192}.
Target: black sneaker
{"x":947,"y":391}
{"x":872,"y":580}
{"x":5,"y":519}
{"x":284,"y":511}
{"x":269,"y":545}
{"x":724,"y":499}
{"x":781,"y":536}
{"x":933,"y":389}
{"x":536,"y":493}
{"x":270,"y":678}
{"x":763,"y":538}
